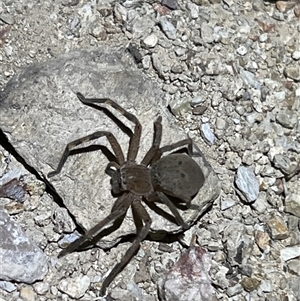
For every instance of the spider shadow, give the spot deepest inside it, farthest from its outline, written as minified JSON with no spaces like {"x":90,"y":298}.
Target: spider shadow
{"x":168,"y":237}
{"x":124,"y":128}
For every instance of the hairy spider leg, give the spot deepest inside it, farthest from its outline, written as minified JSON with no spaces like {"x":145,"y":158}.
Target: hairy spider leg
{"x":150,"y":155}
{"x":144,"y":223}
{"x":120,"y":208}
{"x":111,"y":139}
{"x":135,"y":139}
{"x":109,"y":171}
{"x":173,"y":209}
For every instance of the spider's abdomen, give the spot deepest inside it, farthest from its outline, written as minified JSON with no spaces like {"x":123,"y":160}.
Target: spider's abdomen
{"x":177,"y":175}
{"x":136,"y":179}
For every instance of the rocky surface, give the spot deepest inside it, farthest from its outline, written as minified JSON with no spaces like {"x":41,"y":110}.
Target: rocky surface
{"x":229,"y":72}
{"x":42,"y":138}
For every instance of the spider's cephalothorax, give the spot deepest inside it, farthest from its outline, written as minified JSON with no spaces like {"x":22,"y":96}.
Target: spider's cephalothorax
{"x":154,"y":179}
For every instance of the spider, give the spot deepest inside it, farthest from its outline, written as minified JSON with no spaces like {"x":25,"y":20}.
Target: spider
{"x":156,"y":178}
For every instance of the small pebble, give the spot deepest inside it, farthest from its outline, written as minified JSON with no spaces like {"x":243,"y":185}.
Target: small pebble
{"x":151,"y":41}
{"x":262,"y":239}
{"x":283,"y":163}
{"x":294,"y":266}
{"x":242,"y":50}
{"x":7,"y":286}
{"x":293,"y":72}
{"x":296,"y":55}
{"x":278,"y":228}
{"x":75,"y":287}
{"x":289,"y":253}
{"x":7,"y":18}
{"x":284,"y":6}
{"x":263,"y":37}
{"x":168,"y":28}
{"x":292,"y":204}
{"x":207,"y":33}
{"x":199,"y":110}
{"x":234,"y":290}
{"x":287,"y":118}
{"x":250,"y":284}
{"x":247,"y":183}
{"x":27,"y":293}
{"x":41,"y":288}
{"x":172,"y":4}
{"x":207,"y":133}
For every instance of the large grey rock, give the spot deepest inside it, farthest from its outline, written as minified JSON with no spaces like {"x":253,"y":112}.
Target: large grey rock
{"x":188,"y":279}
{"x":40,"y":114}
{"x":21,"y":259}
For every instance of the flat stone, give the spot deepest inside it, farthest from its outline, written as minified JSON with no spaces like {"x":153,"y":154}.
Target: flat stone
{"x":21,"y":259}
{"x":207,"y":133}
{"x":199,"y":99}
{"x":194,"y":11}
{"x":168,"y":28}
{"x":7,"y":286}
{"x":290,"y":253}
{"x":247,"y":183}
{"x":42,"y":98}
{"x":7,"y":18}
{"x":250,"y":79}
{"x":199,"y":110}
{"x":41,"y":287}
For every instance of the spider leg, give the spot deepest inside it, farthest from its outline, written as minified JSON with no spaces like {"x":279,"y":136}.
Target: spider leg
{"x":154,"y":149}
{"x":111,"y":139}
{"x":155,"y":153}
{"x":143,"y":223}
{"x":173,"y":146}
{"x":109,"y":171}
{"x":135,"y":139}
{"x":120,"y":207}
{"x":173,"y":209}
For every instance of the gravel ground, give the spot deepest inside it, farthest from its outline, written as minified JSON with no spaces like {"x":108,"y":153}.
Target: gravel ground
{"x":230,"y":73}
